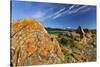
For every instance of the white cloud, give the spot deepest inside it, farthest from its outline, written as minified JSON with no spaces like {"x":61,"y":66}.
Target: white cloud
{"x":60,"y":11}
{"x":72,"y":10}
{"x":38,"y":14}
{"x":48,"y":13}
{"x":80,"y":8}
{"x":71,"y":7}
{"x":43,"y":15}
{"x":58,"y":15}
{"x":69,"y":27}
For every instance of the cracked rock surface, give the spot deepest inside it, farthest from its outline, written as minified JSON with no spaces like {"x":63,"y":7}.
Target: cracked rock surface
{"x":31,"y":44}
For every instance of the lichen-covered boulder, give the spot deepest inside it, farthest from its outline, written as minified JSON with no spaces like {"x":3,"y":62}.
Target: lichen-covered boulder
{"x":31,"y":44}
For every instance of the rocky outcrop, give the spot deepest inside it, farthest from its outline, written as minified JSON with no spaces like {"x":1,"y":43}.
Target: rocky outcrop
{"x":81,"y":32}
{"x":85,"y":35}
{"x":31,"y":44}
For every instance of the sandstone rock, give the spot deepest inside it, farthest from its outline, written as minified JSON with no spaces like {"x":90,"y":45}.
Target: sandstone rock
{"x":81,"y":32}
{"x":31,"y":44}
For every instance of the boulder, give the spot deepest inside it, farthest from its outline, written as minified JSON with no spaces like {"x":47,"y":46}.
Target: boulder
{"x":32,"y":45}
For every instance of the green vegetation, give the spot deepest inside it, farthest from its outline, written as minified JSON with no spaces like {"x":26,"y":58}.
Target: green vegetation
{"x":73,"y":47}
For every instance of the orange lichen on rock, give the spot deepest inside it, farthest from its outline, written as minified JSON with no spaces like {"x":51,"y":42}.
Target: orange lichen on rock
{"x":31,"y":44}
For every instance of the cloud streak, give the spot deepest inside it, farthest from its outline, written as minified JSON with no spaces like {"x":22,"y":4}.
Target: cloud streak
{"x":61,"y":10}
{"x":71,"y":10}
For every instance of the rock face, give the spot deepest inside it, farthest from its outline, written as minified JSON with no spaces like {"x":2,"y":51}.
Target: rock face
{"x":81,"y":32}
{"x":31,"y":44}
{"x":85,"y":35}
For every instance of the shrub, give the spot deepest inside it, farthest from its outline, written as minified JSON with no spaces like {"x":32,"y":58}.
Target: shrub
{"x":63,"y":41}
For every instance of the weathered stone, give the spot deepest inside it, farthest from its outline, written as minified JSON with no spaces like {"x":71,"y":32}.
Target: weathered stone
{"x":81,"y":32}
{"x":31,"y":44}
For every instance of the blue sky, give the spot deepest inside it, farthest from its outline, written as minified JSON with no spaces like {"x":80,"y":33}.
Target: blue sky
{"x":56,"y":15}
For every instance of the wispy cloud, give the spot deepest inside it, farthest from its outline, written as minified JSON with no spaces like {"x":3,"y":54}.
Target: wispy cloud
{"x":74,"y":9}
{"x":61,"y":10}
{"x":58,"y":15}
{"x":42,"y":15}
{"x":38,"y":14}
{"x":71,"y":10}
{"x":71,"y":7}
{"x":78,"y":9}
